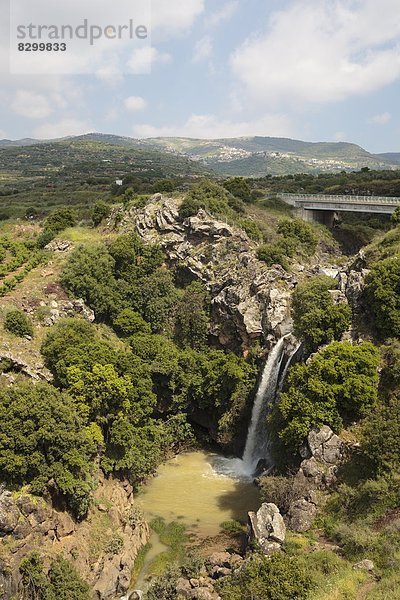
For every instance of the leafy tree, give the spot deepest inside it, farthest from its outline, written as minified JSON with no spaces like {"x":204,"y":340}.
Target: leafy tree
{"x":42,"y":439}
{"x":207,"y":195}
{"x":45,"y":237}
{"x":395,"y":218}
{"x":339,"y":383}
{"x":60,"y":219}
{"x":383,"y":296}
{"x":100,"y":394}
{"x":277,"y":577}
{"x":128,"y":322}
{"x":317,"y":319}
{"x":155,"y":297}
{"x":89,"y":274}
{"x":192,"y":320}
{"x":62,"y":581}
{"x":381,"y":436}
{"x":101,"y":210}
{"x":18,"y":323}
{"x":135,"y":451}
{"x":239,"y":187}
{"x":75,"y":342}
{"x":66,"y":582}
{"x":301,"y":232}
{"x":133,"y":259}
{"x":164,"y":185}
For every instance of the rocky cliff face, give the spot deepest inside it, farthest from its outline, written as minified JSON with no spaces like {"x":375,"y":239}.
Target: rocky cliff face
{"x":249,"y":300}
{"x":103,"y":547}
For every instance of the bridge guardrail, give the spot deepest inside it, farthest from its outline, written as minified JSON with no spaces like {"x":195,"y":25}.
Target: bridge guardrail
{"x":332,"y":198}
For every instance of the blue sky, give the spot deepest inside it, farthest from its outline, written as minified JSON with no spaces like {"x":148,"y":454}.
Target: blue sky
{"x":318,"y":70}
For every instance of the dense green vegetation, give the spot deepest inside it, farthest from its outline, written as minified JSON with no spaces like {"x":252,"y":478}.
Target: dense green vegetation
{"x":383,"y":296}
{"x":339,"y":384}
{"x":295,"y":238}
{"x":60,"y":582}
{"x":275,"y":578}
{"x":42,"y":440}
{"x":18,"y":323}
{"x":364,"y":182}
{"x":317,"y":318}
{"x":126,"y":388}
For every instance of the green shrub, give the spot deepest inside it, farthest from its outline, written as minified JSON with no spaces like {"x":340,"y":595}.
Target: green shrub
{"x":209,"y":196}
{"x":239,"y":187}
{"x":18,"y":323}
{"x":60,"y":219}
{"x":45,"y":238}
{"x":339,"y":383}
{"x":381,"y":436}
{"x":273,"y":254}
{"x":164,"y":586}
{"x":232,"y":527}
{"x":278,"y":577}
{"x":382,"y":296}
{"x":43,"y":439}
{"x":62,"y":581}
{"x":282,"y":491}
{"x":114,"y":545}
{"x":301,"y":232}
{"x":101,"y":210}
{"x":128,"y":322}
{"x":317,"y":319}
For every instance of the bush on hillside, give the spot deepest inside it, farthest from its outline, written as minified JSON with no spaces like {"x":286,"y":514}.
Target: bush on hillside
{"x":382,"y":296}
{"x":43,"y":440}
{"x":338,"y":384}
{"x":317,"y":318}
{"x":18,"y":323}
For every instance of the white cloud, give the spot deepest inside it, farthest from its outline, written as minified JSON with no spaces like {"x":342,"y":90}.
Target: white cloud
{"x":135,"y":103}
{"x":381,"y":119}
{"x":203,"y":49}
{"x":31,"y":105}
{"x":63,"y":128}
{"x":3,"y":134}
{"x":143,"y":59}
{"x":174,"y":17}
{"x":318,"y":52}
{"x":226,"y":12}
{"x":210,"y":126}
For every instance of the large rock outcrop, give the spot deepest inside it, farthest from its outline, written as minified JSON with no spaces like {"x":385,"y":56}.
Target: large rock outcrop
{"x":249,"y":300}
{"x":267,"y":528}
{"x":103,"y":547}
{"x":322,"y":453}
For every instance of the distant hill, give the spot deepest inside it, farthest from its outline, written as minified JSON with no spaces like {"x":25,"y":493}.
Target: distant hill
{"x":393,"y":157}
{"x":247,"y":156}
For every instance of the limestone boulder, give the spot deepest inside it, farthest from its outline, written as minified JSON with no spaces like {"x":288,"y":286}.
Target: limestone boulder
{"x":267,"y":528}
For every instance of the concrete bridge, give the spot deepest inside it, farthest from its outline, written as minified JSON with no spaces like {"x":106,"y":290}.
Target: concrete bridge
{"x":323,"y":208}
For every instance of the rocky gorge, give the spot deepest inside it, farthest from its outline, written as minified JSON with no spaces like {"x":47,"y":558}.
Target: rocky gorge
{"x":250,"y":309}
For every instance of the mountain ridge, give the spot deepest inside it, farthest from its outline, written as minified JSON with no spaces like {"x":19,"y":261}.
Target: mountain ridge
{"x":255,"y":156}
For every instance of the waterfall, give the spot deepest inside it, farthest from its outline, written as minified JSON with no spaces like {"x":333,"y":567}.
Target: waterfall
{"x":257,"y":441}
{"x":282,"y":378}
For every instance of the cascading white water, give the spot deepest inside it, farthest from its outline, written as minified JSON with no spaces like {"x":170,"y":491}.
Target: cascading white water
{"x":257,"y":441}
{"x":282,"y":378}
